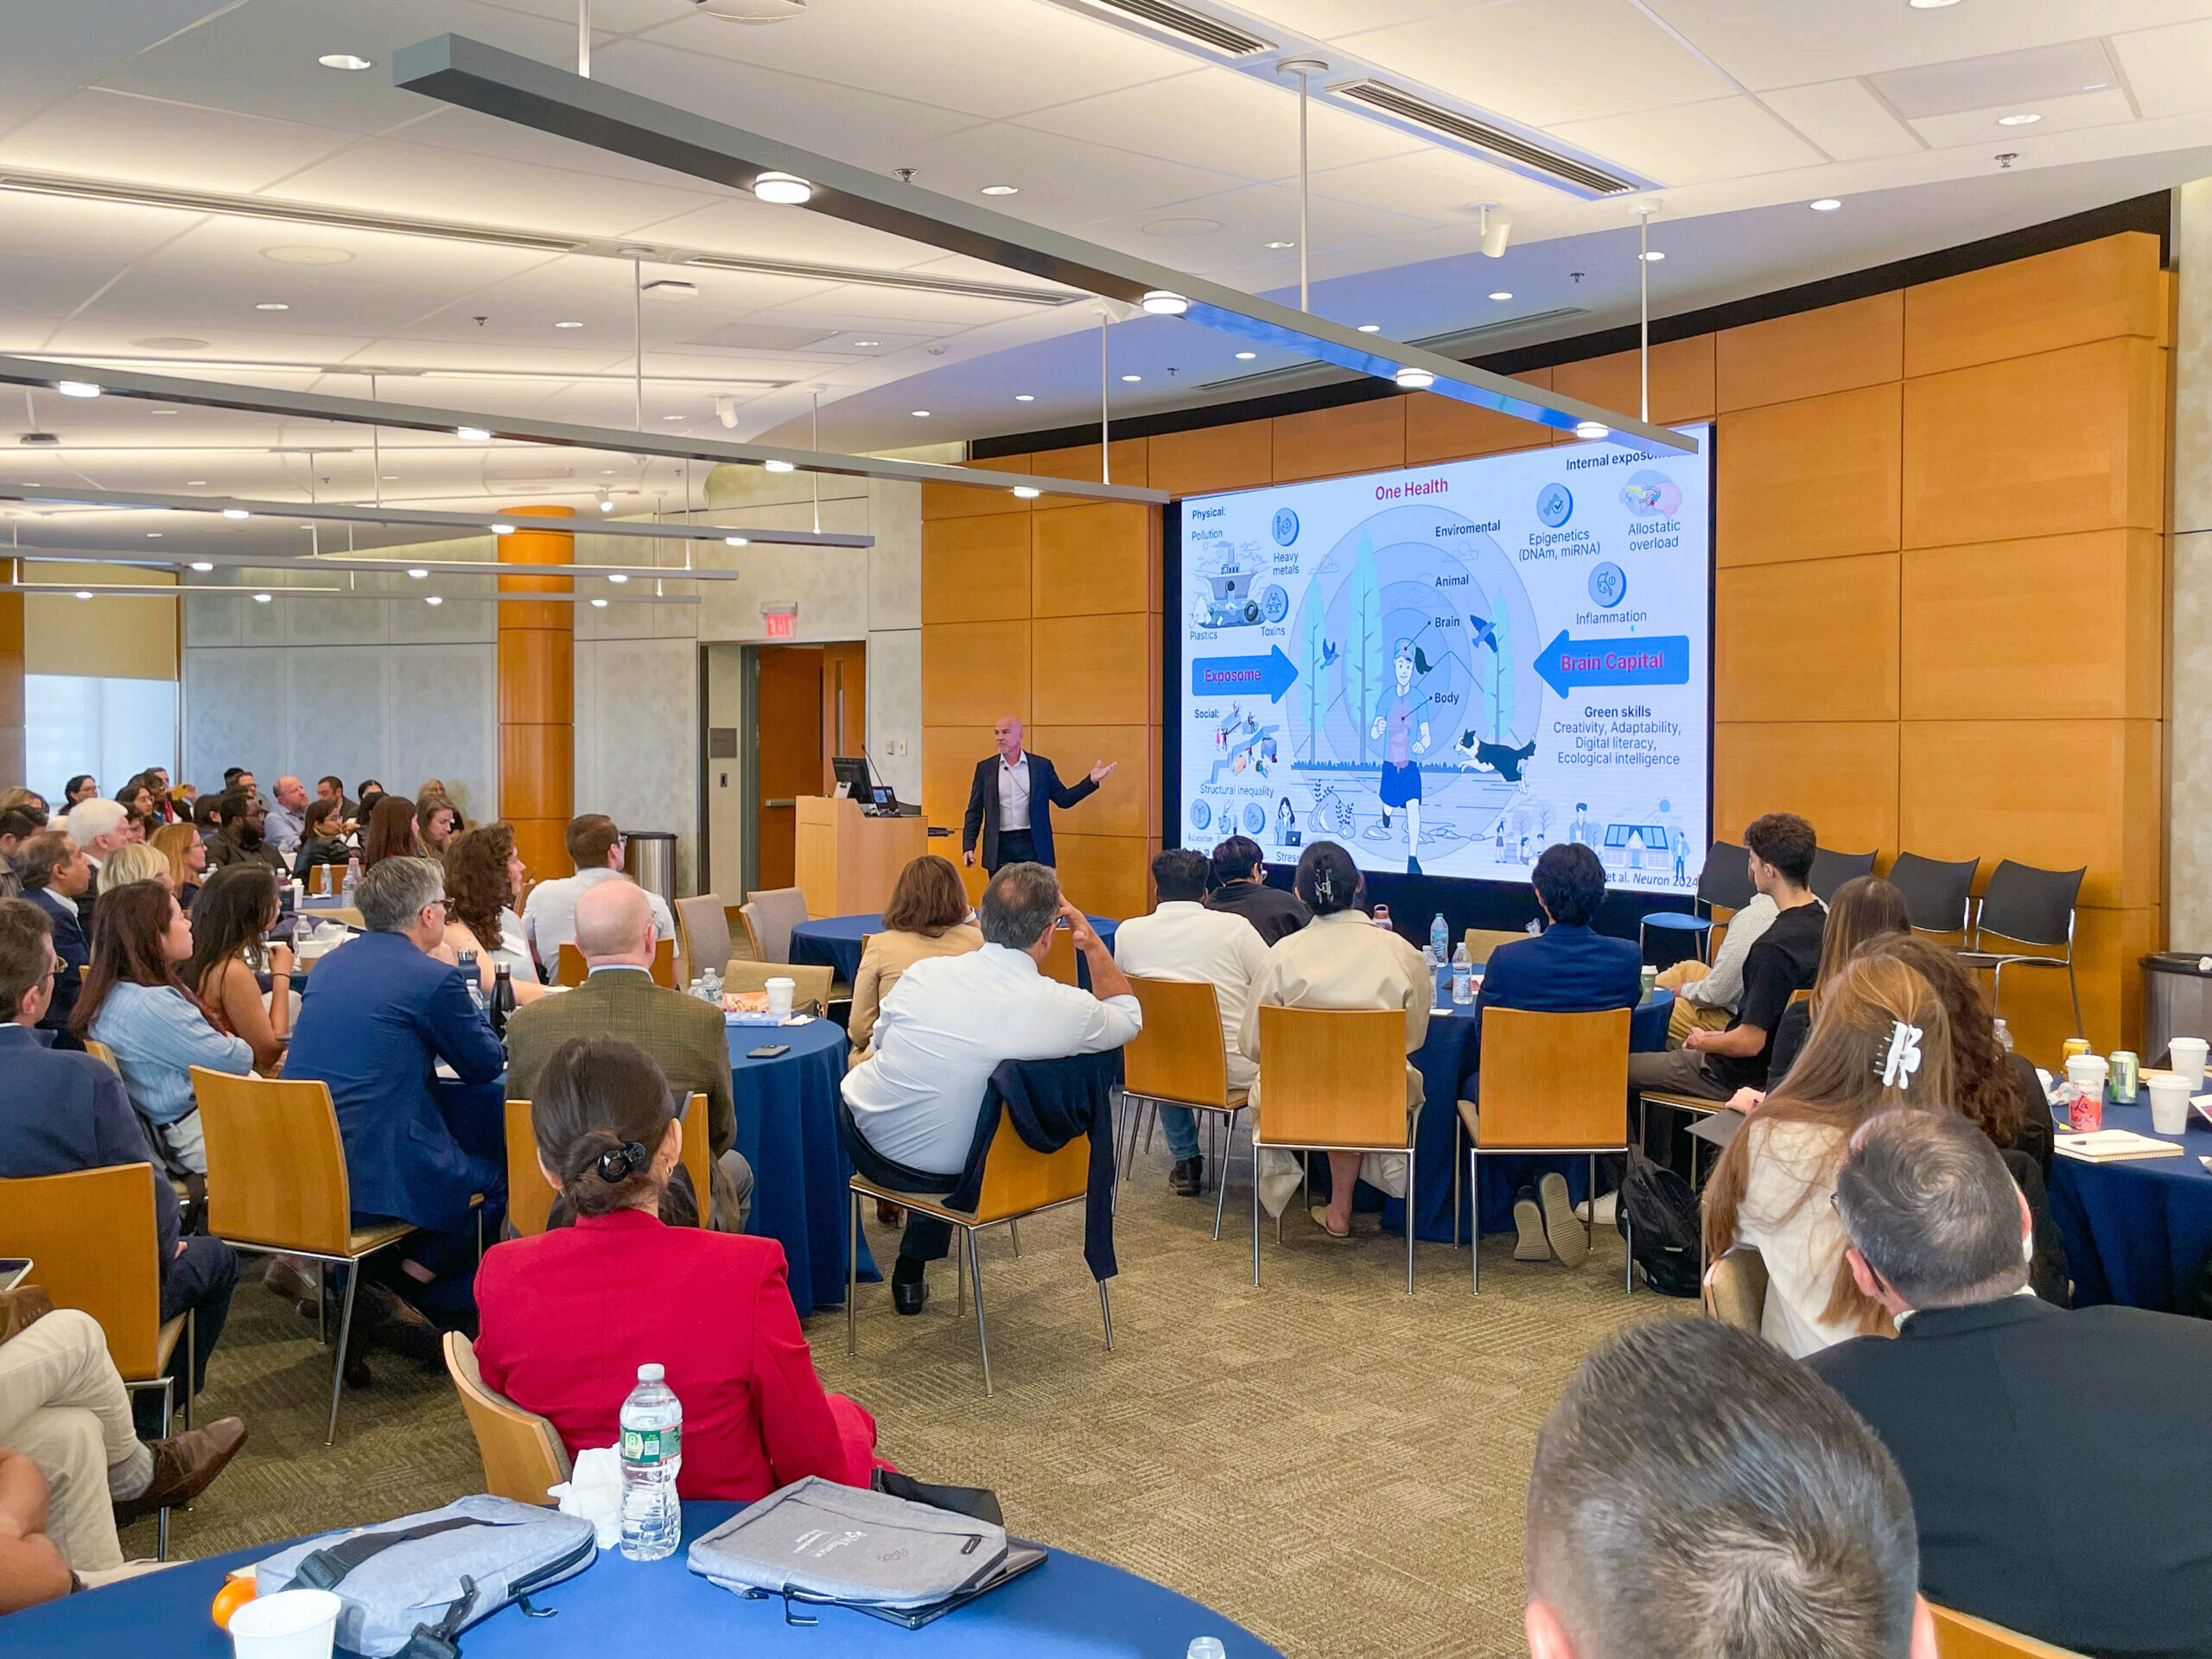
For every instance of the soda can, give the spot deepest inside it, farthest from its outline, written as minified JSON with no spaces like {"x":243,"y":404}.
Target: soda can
{"x":2069,"y":1048}
{"x":2126,"y":1071}
{"x":2085,"y":1113}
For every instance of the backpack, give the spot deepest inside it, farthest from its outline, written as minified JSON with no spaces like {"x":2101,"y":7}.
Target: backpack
{"x":1658,"y":1214}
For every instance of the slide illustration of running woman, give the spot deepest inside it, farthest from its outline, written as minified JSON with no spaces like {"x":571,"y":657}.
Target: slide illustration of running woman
{"x":1401,"y":780}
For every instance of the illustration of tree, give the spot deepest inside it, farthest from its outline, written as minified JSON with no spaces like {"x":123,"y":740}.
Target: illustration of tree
{"x":1365,"y":665}
{"x":1501,"y":697}
{"x":1312,"y":614}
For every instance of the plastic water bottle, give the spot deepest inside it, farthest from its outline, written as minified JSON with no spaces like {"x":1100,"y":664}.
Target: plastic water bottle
{"x":714,"y":979}
{"x":353,"y":873}
{"x":2004,"y":1037}
{"x":1463,"y":975}
{"x":652,"y":1456}
{"x":1439,"y":937}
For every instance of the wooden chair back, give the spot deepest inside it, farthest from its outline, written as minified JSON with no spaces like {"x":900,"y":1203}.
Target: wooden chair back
{"x":90,"y":1237}
{"x":275,"y":1163}
{"x":1017,"y":1179}
{"x":1060,"y":959}
{"x":523,"y":1453}
{"x":1961,"y":1636}
{"x":698,"y":1156}
{"x":1181,"y":1054}
{"x":702,"y":927}
{"x":810,"y":981}
{"x":100,"y":1051}
{"x":325,"y":879}
{"x":1481,"y":941}
{"x":530,"y":1195}
{"x":1332,"y":1077}
{"x":1735,"y":1288}
{"x":572,"y":970}
{"x":1558,"y":1080}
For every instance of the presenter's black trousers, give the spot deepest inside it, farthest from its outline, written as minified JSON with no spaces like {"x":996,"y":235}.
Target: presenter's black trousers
{"x":1015,"y":846}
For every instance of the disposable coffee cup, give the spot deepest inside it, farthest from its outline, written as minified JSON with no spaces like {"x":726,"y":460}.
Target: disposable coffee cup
{"x":779,"y":991}
{"x":2086,"y":1072}
{"x":2185,"y":1055}
{"x":1650,"y":976}
{"x":2168,"y":1104}
{"x":290,"y":1624}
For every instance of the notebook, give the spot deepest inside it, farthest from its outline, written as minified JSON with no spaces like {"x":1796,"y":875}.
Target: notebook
{"x":2114,"y":1146}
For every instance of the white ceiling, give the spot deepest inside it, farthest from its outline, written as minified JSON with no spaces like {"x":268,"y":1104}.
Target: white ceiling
{"x":1741,"y":111}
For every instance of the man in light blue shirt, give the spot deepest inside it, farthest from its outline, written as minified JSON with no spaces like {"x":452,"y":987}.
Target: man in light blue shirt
{"x":287,"y":820}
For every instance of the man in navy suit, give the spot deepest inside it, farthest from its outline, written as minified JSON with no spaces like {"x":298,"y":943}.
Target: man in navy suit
{"x":1567,"y":968}
{"x":378,"y":1013}
{"x":1010,"y":807}
{"x":55,"y":873}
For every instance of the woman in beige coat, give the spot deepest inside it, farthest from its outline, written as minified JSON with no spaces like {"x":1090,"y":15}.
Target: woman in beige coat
{"x":928,"y":916}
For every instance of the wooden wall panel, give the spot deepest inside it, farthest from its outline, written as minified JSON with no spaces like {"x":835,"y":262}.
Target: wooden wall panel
{"x":1842,"y":775}
{"x":2093,"y":290}
{"x":1105,"y":875}
{"x":2058,"y":627}
{"x":2060,"y":794}
{"x":976,"y":569}
{"x":1858,"y":343}
{"x":973,"y":673}
{"x":2036,"y":446}
{"x":1330,"y":443}
{"x":1681,"y":381}
{"x":544,"y":844}
{"x":1213,"y":458}
{"x":1814,"y":639}
{"x":1810,"y":480}
{"x":1098,"y":557}
{"x":1127,"y":803}
{"x":1093,"y":669}
{"x":537,"y":772}
{"x":1131,"y":464}
{"x":966,"y":501}
{"x":1443,"y":428}
{"x":949,"y":758}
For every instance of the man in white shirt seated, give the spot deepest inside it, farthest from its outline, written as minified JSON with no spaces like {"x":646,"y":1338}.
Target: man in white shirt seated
{"x":911,"y":1108}
{"x":1182,"y":939}
{"x":548,"y":919}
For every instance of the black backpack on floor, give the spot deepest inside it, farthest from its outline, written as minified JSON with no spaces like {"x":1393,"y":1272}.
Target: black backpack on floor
{"x":1658,"y":1216}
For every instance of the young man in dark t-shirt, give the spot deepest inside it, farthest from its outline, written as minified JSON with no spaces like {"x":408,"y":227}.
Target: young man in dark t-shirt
{"x":1236,"y":883}
{"x":1714,"y":1064}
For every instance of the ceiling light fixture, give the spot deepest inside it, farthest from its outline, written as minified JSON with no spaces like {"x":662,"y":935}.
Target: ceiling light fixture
{"x":779,"y":466}
{"x":474,"y":433}
{"x":1246,"y":357}
{"x":271,"y":305}
{"x":348,"y":60}
{"x":1026,"y":493}
{"x":1370,"y":328}
{"x":201,"y":565}
{"x":1282,"y":245}
{"x":1825,"y":204}
{"x":82,"y":594}
{"x":1024,"y":396}
{"x":76,"y":389}
{"x":236,"y":512}
{"x":735,"y":541}
{"x":598,"y":604}
{"x":1591,"y":430}
{"x":433,"y":599}
{"x":567,"y":325}
{"x":1503,"y":294}
{"x":1160,"y":303}
{"x":868,"y":342}
{"x":2096,"y":86}
{"x":671,"y":418}
{"x":261,"y":599}
{"x":2025,"y":119}
{"x":606,"y":502}
{"x":1654,"y":257}
{"x":190,"y":483}
{"x":921,"y":414}
{"x":503,"y":530}
{"x":1931,"y":5}
{"x":419,"y":573}
{"x":617,"y":577}
{"x":1001,"y":190}
{"x":1415,"y":379}
{"x":1131,"y":379}
{"x":160,"y":412}
{"x":785,"y":189}
{"x":153,"y":535}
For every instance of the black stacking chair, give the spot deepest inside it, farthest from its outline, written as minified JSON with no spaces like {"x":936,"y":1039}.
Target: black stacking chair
{"x":1937,"y":894}
{"x":1831,"y":870}
{"x":1724,"y":884}
{"x":2026,"y":906}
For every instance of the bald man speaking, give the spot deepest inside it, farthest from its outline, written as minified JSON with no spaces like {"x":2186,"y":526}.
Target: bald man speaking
{"x":1011,"y":805}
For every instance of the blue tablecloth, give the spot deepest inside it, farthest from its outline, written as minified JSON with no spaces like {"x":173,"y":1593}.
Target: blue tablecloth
{"x":1069,"y":1608}
{"x":787,"y":1129}
{"x":836,"y":941}
{"x":2136,"y":1233}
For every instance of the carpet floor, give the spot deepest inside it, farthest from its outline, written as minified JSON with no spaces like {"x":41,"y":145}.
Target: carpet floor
{"x":1335,"y":1464}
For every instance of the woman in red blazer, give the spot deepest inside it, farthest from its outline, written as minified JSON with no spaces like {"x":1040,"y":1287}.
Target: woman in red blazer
{"x":569,"y":1316}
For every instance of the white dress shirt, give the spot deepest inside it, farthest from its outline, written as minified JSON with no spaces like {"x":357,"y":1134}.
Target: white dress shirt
{"x":942,"y":1031}
{"x":548,"y":916}
{"x":1183,"y":939}
{"x":1014,"y":793}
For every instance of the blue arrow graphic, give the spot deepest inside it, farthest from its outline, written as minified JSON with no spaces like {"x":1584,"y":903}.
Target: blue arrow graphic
{"x":1228,"y":676}
{"x":1661,"y":659}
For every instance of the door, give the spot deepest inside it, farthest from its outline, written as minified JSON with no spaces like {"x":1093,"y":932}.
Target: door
{"x":788,"y":705}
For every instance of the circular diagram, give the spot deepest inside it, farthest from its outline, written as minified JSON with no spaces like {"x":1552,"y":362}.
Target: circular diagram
{"x":1608,"y":585}
{"x":1554,"y":504}
{"x":1201,"y":814}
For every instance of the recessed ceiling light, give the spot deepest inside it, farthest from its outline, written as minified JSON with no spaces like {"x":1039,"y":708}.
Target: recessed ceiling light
{"x":1162,"y":303}
{"x":271,"y":305}
{"x":201,"y":564}
{"x":1415,"y":379}
{"x":84,"y":593}
{"x":503,"y":530}
{"x":617,"y":577}
{"x":2096,"y":86}
{"x":351,"y":61}
{"x":306,"y":254}
{"x":236,"y":512}
{"x":160,"y":412}
{"x":780,"y":466}
{"x":1825,"y":204}
{"x":632,"y":252}
{"x":418,"y":574}
{"x":1655,"y":256}
{"x":598,"y":604}
{"x":153,"y":535}
{"x":191,"y":483}
{"x":1001,"y":190}
{"x":1027,"y":493}
{"x":261,"y":599}
{"x":1246,"y":357}
{"x":1503,"y":294}
{"x":1370,"y":328}
{"x":474,"y":433}
{"x":76,"y":389}
{"x":1592,"y":429}
{"x":432,"y":598}
{"x":1282,"y":245}
{"x":2025,"y":119}
{"x":1024,"y":396}
{"x":921,"y":414}
{"x":388,"y":478}
{"x":785,"y":189}
{"x":1931,"y":5}
{"x":567,"y":325}
{"x":1132,"y":379}
{"x":735,"y":541}
{"x":671,"y":418}
{"x":868,"y":342}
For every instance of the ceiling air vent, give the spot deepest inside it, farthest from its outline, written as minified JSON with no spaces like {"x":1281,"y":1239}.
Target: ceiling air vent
{"x":1186,"y":24}
{"x":1480,"y":135}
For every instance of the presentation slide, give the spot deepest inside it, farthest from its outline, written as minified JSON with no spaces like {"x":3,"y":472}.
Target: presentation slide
{"x":1449,"y":668}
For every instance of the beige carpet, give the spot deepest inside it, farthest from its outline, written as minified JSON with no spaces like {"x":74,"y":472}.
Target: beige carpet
{"x":1336,"y":1466}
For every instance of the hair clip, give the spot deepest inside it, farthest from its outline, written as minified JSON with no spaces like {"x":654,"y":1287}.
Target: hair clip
{"x":1902,"y":1057}
{"x":619,"y":1164}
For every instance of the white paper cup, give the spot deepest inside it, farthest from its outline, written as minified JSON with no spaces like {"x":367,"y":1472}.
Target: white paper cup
{"x":779,"y":991}
{"x":2170,"y":1104}
{"x":2186,"y":1056}
{"x":290,"y":1624}
{"x":2087,"y":1072}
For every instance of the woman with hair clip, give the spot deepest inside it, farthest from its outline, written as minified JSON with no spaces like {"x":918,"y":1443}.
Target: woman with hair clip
{"x":568,"y":1317}
{"x":1880,"y":1039}
{"x":391,"y":833}
{"x":1866,"y":908}
{"x":230,"y":933}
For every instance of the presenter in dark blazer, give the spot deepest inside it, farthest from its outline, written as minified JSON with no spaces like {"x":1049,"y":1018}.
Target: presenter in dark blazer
{"x":1010,"y":807}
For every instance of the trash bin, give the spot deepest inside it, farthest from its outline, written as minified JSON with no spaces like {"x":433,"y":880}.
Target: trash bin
{"x":2177,"y":999}
{"x":650,"y":861}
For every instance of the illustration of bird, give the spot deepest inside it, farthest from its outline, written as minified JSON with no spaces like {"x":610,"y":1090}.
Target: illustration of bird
{"x":1329,"y":652}
{"x":1482,"y":633}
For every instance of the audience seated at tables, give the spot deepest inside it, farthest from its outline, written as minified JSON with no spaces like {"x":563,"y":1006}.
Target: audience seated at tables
{"x":135,"y":1002}
{"x":2057,"y":1460}
{"x":63,"y":1111}
{"x":685,"y":1037}
{"x":1864,"y":908}
{"x":928,"y":916}
{"x":179,"y":843}
{"x":364,"y":813}
{"x":203,"y":816}
{"x":1706,"y":995}
{"x":378,"y":1014}
{"x":484,"y":882}
{"x":391,"y":833}
{"x":98,"y":827}
{"x":1341,"y":960}
{"x":16,"y":795}
{"x":136,"y":798}
{"x":55,"y":872}
{"x":230,"y":949}
{"x":1236,"y":883}
{"x":237,"y":778}
{"x":157,"y":779}
{"x":1714,"y":1065}
{"x":439,"y":821}
{"x":137,"y":863}
{"x":322,"y":840}
{"x":331,"y":790}
{"x":287,"y":816}
{"x":81,"y":788}
{"x":568,"y":1317}
{"x":17,"y":825}
{"x":1882,"y":1039}
{"x":239,"y":815}
{"x":1567,"y":968}
{"x":64,"y":1410}
{"x":548,"y":919}
{"x":1183,"y":939}
{"x":1698,"y":1496}
{"x":911,"y":1108}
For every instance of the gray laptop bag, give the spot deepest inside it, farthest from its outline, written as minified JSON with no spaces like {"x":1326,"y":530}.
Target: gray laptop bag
{"x":817,"y":1540}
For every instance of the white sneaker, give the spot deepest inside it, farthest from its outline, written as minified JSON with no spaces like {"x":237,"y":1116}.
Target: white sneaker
{"x":1608,"y":1208}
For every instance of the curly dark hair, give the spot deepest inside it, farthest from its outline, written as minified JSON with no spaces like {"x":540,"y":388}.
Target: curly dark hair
{"x":1984,"y":1087}
{"x":476,"y":880}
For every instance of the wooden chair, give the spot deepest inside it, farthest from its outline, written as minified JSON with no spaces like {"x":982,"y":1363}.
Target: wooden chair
{"x":573,"y":970}
{"x":100,"y":1051}
{"x":1550,"y":1083}
{"x":811,"y":982}
{"x":530,"y":1195}
{"x":1017,"y":1182}
{"x":523,"y":1453}
{"x":1481,"y":941}
{"x":93,"y":1245}
{"x":1735,"y":1288}
{"x":1333,"y":1080}
{"x":702,"y":928}
{"x":1181,"y":1059}
{"x":1961,"y":1636}
{"x":1060,"y":958}
{"x":276,"y":1184}
{"x":773,"y":913}
{"x":324,"y":879}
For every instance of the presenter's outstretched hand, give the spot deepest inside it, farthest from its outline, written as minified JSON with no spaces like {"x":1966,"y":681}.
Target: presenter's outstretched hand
{"x":1102,"y":770}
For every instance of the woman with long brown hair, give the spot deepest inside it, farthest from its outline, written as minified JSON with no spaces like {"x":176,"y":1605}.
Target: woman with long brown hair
{"x":1866,"y":908}
{"x":391,"y":833}
{"x":1880,"y":1039}
{"x":483,"y":878}
{"x":230,"y":942}
{"x":928,"y":916}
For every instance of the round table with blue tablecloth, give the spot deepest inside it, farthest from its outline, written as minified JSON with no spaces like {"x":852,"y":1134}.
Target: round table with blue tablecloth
{"x":836,"y":941}
{"x":2136,"y":1232}
{"x":1071,"y":1607}
{"x":787,"y":1129}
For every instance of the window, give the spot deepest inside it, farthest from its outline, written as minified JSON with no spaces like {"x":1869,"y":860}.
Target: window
{"x":111,"y":729}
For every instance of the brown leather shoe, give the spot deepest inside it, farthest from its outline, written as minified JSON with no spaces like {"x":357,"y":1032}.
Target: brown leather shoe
{"x":183,"y":1467}
{"x":889,"y":1214}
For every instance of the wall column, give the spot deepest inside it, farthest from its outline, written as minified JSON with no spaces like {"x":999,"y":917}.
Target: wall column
{"x":538,"y":696}
{"x":2189,"y":821}
{"x":14,"y":756}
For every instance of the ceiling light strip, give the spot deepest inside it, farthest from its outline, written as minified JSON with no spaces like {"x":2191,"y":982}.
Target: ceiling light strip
{"x":918,"y":285}
{"x":369,"y":563}
{"x":1416,"y":110}
{"x":471,"y":75}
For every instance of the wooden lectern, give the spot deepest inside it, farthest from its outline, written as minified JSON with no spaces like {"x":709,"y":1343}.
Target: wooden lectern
{"x":848,"y":862}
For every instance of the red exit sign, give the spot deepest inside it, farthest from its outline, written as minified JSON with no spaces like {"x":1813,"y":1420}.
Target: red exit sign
{"x":781,"y":623}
